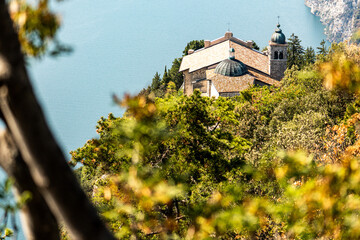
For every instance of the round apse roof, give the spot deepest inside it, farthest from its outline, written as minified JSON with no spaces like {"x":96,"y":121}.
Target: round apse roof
{"x":231,"y":68}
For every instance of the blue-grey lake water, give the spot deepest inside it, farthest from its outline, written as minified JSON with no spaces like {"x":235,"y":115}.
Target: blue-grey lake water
{"x":120,"y":44}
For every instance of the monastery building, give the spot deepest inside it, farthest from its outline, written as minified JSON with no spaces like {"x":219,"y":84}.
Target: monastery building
{"x":228,"y":65}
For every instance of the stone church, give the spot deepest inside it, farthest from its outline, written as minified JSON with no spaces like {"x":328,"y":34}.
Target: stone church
{"x":228,"y":65}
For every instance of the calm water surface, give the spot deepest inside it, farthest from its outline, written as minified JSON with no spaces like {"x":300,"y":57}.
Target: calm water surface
{"x":119,"y":45}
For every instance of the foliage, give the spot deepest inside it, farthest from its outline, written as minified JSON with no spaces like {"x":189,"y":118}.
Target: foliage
{"x":172,"y":75}
{"x":194,"y":45}
{"x":309,"y":56}
{"x":9,"y":208}
{"x":37,"y":27}
{"x":166,"y":77}
{"x":342,"y":69}
{"x":322,"y":51}
{"x":271,"y":163}
{"x":320,"y":201}
{"x":156,"y":81}
{"x":180,"y":141}
{"x":255,"y":46}
{"x":295,"y":51}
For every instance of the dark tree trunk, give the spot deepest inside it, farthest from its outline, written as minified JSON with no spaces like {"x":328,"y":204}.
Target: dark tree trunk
{"x":36,"y":144}
{"x":38,"y":222}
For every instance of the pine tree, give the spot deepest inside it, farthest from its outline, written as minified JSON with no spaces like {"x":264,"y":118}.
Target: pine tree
{"x":156,"y":82}
{"x":295,"y":52}
{"x":322,"y":49}
{"x":309,"y":56}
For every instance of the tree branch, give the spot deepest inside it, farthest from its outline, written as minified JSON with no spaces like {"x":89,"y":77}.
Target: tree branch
{"x":37,"y":146}
{"x":37,"y":220}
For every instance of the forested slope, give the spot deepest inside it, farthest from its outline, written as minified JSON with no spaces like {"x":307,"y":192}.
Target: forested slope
{"x":272,"y":162}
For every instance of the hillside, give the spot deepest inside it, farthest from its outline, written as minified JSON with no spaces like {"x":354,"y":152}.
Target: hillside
{"x":254,"y":166}
{"x":341,"y":17}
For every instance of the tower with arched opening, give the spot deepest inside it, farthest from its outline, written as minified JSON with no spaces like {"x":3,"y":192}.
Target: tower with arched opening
{"x":277,"y":54}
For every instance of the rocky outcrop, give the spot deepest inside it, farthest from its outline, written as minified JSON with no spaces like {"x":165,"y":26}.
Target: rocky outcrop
{"x":340,"y":17}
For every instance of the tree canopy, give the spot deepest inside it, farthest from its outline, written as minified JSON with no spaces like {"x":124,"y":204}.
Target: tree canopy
{"x":270,"y":163}
{"x":242,"y":167}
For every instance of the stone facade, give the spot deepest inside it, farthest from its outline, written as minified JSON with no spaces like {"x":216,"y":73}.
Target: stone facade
{"x":229,"y":94}
{"x":278,"y":60}
{"x":230,"y":84}
{"x":189,"y":78}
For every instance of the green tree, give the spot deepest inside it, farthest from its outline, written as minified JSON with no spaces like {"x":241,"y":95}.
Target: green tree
{"x":295,"y":52}
{"x":184,"y":140}
{"x":172,"y":74}
{"x":194,"y":45}
{"x":38,"y":31}
{"x":255,"y":46}
{"x":156,"y":82}
{"x":322,"y":52}
{"x":322,"y":49}
{"x":176,"y":77}
{"x":218,"y":158}
{"x":309,"y":56}
{"x":25,"y":147}
{"x":166,"y":77}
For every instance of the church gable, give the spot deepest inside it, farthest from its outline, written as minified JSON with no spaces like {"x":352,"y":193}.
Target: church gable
{"x":205,"y":57}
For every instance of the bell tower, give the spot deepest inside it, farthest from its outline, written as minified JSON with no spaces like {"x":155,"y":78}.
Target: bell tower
{"x":277,"y":54}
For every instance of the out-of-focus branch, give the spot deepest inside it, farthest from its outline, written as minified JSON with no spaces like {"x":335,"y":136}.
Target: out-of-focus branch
{"x":36,"y":144}
{"x":37,"y":220}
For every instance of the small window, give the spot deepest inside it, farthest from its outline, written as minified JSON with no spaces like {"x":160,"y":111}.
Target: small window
{"x":281,"y":55}
{"x":276,"y":55}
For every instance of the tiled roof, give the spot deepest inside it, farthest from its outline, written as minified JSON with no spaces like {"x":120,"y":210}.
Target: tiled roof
{"x":264,"y":77}
{"x":218,"y":52}
{"x":237,"y":84}
{"x":251,"y":57}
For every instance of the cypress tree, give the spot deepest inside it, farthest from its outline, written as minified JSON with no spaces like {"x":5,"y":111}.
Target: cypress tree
{"x":176,"y":77}
{"x":166,"y":77}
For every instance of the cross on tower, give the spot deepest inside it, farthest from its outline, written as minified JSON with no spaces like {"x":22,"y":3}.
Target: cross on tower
{"x":228,"y":26}
{"x":278,"y":19}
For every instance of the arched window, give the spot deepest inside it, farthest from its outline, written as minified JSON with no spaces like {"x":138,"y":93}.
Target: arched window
{"x":276,"y":55}
{"x":281,"y":55}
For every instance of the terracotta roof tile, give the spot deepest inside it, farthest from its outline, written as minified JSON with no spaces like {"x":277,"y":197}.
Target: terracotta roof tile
{"x":216,"y":53}
{"x":264,"y":77}
{"x":251,"y":57}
